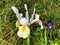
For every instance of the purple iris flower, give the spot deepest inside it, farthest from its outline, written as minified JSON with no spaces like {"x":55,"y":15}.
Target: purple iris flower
{"x":49,"y":24}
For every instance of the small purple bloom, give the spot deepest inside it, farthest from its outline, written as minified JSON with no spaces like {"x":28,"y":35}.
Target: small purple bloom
{"x":49,"y":24}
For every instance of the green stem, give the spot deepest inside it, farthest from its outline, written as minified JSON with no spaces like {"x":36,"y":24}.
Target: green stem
{"x":0,"y":22}
{"x":28,"y":41}
{"x":45,"y":37}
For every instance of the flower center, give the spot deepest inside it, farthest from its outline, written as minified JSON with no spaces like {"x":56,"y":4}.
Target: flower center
{"x":23,"y":28}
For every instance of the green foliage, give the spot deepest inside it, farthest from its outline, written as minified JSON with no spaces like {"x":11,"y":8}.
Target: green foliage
{"x":47,"y":9}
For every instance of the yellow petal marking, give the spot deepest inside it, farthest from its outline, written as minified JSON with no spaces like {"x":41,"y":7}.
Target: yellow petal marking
{"x":23,"y":28}
{"x":40,"y":21}
{"x":18,"y":23}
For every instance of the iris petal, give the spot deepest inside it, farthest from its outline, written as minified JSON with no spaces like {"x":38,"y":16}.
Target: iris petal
{"x":40,"y":23}
{"x":27,"y":17}
{"x":16,"y":12}
{"x":49,"y":23}
{"x":24,"y":34}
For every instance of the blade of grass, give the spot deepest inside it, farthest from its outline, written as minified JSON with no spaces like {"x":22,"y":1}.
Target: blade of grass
{"x":45,"y":37}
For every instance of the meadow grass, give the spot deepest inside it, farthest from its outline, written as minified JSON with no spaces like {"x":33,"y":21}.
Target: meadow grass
{"x":47,"y":9}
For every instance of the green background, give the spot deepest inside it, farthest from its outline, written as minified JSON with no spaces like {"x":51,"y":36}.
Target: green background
{"x":47,"y":9}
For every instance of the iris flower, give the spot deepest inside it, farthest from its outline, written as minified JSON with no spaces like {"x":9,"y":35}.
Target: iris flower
{"x":49,"y":24}
{"x":24,"y":23}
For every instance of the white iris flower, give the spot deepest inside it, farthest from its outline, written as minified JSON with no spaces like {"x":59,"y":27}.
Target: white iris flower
{"x":24,"y":30}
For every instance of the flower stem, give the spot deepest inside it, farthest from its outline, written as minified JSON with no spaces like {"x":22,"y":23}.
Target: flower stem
{"x":28,"y":41}
{"x":45,"y":37}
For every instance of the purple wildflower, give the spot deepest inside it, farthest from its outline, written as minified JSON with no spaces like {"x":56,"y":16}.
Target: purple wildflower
{"x":49,"y":24}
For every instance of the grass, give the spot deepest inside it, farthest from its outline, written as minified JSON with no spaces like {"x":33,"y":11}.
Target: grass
{"x":47,"y":9}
